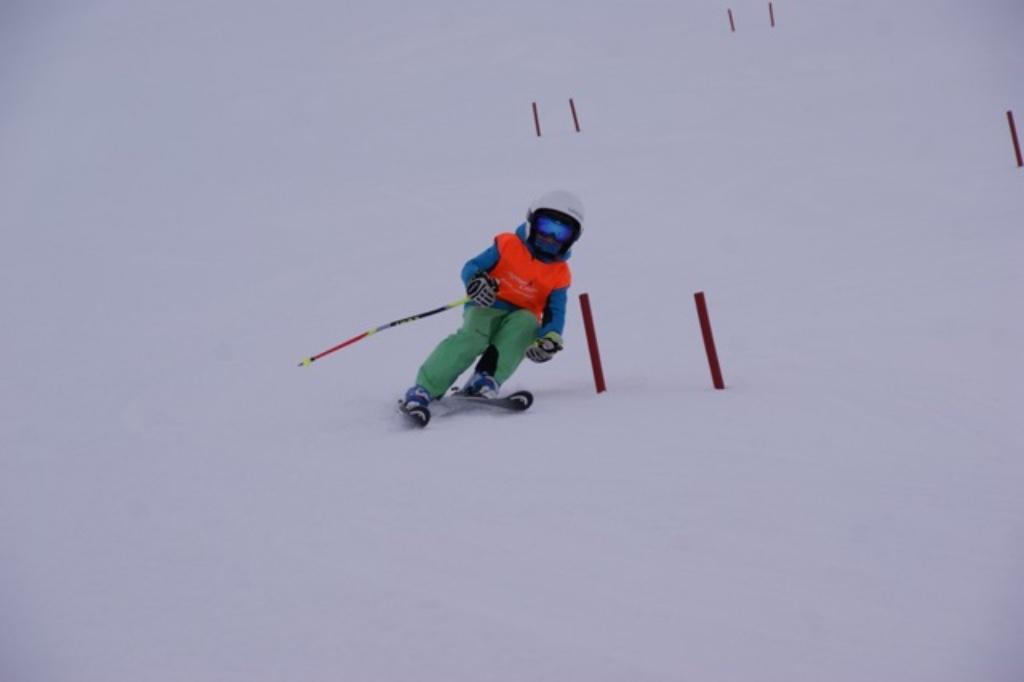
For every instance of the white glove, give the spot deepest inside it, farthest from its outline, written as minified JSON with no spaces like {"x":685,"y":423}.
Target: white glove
{"x":482,"y":290}
{"x":544,"y":348}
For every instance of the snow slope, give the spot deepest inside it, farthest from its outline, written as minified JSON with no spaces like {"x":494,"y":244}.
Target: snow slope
{"x":194,"y":196}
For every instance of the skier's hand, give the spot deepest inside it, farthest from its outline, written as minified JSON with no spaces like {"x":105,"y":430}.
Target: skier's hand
{"x":482,"y":290}
{"x":544,"y":348}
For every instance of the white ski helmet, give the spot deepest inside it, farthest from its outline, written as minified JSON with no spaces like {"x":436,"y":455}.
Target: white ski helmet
{"x":562,"y":206}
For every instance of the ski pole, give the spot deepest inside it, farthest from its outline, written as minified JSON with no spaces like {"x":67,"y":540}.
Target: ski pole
{"x":360,"y":337}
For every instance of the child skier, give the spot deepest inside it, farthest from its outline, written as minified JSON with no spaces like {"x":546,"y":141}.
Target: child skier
{"x":518,"y":288}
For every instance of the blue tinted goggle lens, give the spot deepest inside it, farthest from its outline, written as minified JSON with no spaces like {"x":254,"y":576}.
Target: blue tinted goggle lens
{"x":549,"y":227}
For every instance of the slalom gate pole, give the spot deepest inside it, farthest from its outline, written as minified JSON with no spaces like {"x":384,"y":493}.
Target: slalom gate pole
{"x":709,"y":341}
{"x":1016,"y":142}
{"x":389,"y":325}
{"x":595,"y":354}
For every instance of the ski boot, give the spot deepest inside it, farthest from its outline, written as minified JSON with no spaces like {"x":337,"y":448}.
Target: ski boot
{"x":416,"y":405}
{"x":480,"y":385}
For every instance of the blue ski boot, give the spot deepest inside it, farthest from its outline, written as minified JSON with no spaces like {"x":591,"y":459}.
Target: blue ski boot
{"x":481,"y":385}
{"x":416,"y":404}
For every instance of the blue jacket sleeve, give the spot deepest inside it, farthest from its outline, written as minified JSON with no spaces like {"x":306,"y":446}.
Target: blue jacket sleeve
{"x":485,"y":261}
{"x":554,"y":312}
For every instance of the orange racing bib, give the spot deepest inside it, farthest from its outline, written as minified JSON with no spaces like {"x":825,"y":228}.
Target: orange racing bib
{"x":526,"y":281}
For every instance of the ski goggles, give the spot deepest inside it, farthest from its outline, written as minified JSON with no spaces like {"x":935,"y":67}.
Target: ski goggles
{"x":552,"y":228}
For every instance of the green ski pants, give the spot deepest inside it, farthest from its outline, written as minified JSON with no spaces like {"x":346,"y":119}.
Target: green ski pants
{"x":510,"y":332}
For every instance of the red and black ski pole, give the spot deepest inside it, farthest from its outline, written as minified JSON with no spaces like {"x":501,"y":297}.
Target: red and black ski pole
{"x":360,"y":337}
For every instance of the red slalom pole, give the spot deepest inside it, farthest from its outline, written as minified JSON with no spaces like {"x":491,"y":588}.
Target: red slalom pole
{"x":732,"y":24}
{"x":1016,"y":142}
{"x":595,"y":355}
{"x":575,"y":120}
{"x":536,"y":119}
{"x":709,"y":340}
{"x":771,"y":14}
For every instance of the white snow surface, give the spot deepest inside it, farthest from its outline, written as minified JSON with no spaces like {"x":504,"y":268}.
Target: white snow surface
{"x":194,"y":196}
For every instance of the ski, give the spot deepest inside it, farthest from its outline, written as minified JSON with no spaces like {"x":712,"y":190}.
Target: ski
{"x":419,"y":415}
{"x":515,"y":402}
